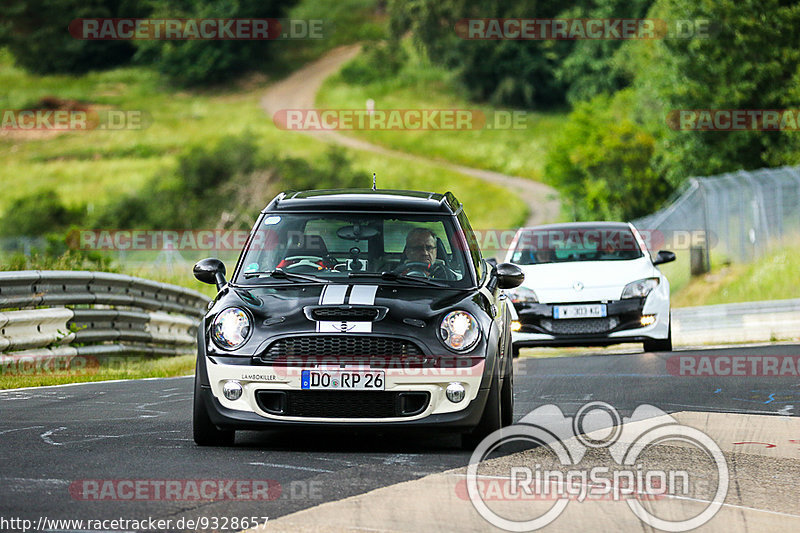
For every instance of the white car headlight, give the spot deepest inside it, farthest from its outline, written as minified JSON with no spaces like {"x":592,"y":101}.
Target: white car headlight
{"x":231,"y":328}
{"x":459,"y":330}
{"x":640,"y":288}
{"x":522,"y":295}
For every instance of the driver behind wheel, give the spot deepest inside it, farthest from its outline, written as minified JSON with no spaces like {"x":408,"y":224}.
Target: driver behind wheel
{"x":421,"y":255}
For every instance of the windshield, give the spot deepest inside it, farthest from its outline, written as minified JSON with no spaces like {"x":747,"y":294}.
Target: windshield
{"x":568,"y":244}
{"x":347,"y":248}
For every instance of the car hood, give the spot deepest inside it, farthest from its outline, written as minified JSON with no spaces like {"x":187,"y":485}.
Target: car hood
{"x":406,"y":311}
{"x":585,"y":281}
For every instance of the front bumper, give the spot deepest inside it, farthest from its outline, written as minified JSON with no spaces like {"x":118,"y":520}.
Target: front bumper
{"x":248,"y":412}
{"x":622,"y":324}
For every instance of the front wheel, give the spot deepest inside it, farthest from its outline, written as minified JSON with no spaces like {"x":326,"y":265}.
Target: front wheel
{"x":660,"y":345}
{"x":491,"y":420}
{"x":507,"y":399}
{"x":204,"y":431}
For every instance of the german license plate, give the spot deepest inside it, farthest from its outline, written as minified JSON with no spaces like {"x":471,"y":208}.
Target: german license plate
{"x":580,"y":311}
{"x":342,"y":380}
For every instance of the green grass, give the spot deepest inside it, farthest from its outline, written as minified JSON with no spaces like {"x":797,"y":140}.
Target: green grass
{"x":131,"y":368}
{"x":420,"y":85}
{"x":772,"y":277}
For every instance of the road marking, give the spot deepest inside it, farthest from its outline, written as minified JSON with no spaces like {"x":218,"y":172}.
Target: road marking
{"x":47,"y":434}
{"x":295,"y":467}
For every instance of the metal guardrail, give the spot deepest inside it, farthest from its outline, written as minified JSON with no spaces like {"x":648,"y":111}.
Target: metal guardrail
{"x":95,"y":313}
{"x":739,"y":322}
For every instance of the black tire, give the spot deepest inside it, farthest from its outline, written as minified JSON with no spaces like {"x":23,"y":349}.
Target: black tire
{"x":507,"y":398}
{"x":491,"y":420}
{"x":660,"y":345}
{"x":514,"y":351}
{"x":204,"y":431}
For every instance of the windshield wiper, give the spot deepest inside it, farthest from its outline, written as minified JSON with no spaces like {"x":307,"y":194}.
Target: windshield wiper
{"x":391,"y":276}
{"x":282,"y":274}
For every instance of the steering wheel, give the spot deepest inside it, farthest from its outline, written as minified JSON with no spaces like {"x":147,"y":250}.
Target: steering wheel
{"x":413,"y":267}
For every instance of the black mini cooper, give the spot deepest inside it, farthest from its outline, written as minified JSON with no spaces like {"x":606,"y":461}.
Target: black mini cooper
{"x":356,"y":308}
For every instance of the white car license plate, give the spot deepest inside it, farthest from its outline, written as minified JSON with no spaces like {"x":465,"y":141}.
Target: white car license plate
{"x":342,"y":380}
{"x":579,"y":311}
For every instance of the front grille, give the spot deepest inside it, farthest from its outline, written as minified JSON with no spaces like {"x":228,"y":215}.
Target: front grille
{"x":580,"y":326}
{"x":337,"y":345}
{"x":343,"y":404}
{"x":368,"y":314}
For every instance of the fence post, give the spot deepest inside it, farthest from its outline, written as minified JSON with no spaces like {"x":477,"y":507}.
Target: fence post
{"x":703,"y":264}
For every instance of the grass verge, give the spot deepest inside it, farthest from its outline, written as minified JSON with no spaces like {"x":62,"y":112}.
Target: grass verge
{"x":772,"y":277}
{"x":162,"y":367}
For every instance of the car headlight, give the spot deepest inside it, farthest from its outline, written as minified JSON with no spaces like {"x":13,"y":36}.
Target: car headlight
{"x":459,"y":330}
{"x":522,"y":295}
{"x":640,"y":288}
{"x":231,"y":328}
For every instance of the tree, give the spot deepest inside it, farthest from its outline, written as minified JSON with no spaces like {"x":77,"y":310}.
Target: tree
{"x":750,"y":60}
{"x":35,"y":31}
{"x":602,"y":162}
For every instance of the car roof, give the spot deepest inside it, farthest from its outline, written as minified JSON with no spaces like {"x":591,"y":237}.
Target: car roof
{"x":365,"y":200}
{"x":566,"y":226}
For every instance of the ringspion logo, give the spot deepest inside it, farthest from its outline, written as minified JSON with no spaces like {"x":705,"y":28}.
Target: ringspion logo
{"x":632,"y":479}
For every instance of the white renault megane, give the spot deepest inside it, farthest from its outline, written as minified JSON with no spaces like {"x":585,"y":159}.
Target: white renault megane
{"x":589,"y":284}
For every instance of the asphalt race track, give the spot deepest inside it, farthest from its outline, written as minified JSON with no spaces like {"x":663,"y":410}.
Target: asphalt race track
{"x":54,"y":437}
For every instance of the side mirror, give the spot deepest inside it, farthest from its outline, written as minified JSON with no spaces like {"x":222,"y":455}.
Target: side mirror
{"x":664,"y":256}
{"x":509,"y":276}
{"x":211,"y":271}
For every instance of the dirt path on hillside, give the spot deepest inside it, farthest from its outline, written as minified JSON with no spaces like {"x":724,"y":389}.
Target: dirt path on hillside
{"x":299,"y":91}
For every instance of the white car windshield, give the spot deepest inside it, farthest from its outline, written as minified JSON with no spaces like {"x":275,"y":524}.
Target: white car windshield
{"x":562,"y":244}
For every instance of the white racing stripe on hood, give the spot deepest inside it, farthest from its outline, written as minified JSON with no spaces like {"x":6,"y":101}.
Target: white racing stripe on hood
{"x":363,"y":295}
{"x":335,"y":295}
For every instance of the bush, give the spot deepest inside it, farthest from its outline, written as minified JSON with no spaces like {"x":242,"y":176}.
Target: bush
{"x":37,"y":214}
{"x":376,"y":63}
{"x":199,"y":62}
{"x":602,"y":163}
{"x":223,"y":179}
{"x":334,"y":173}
